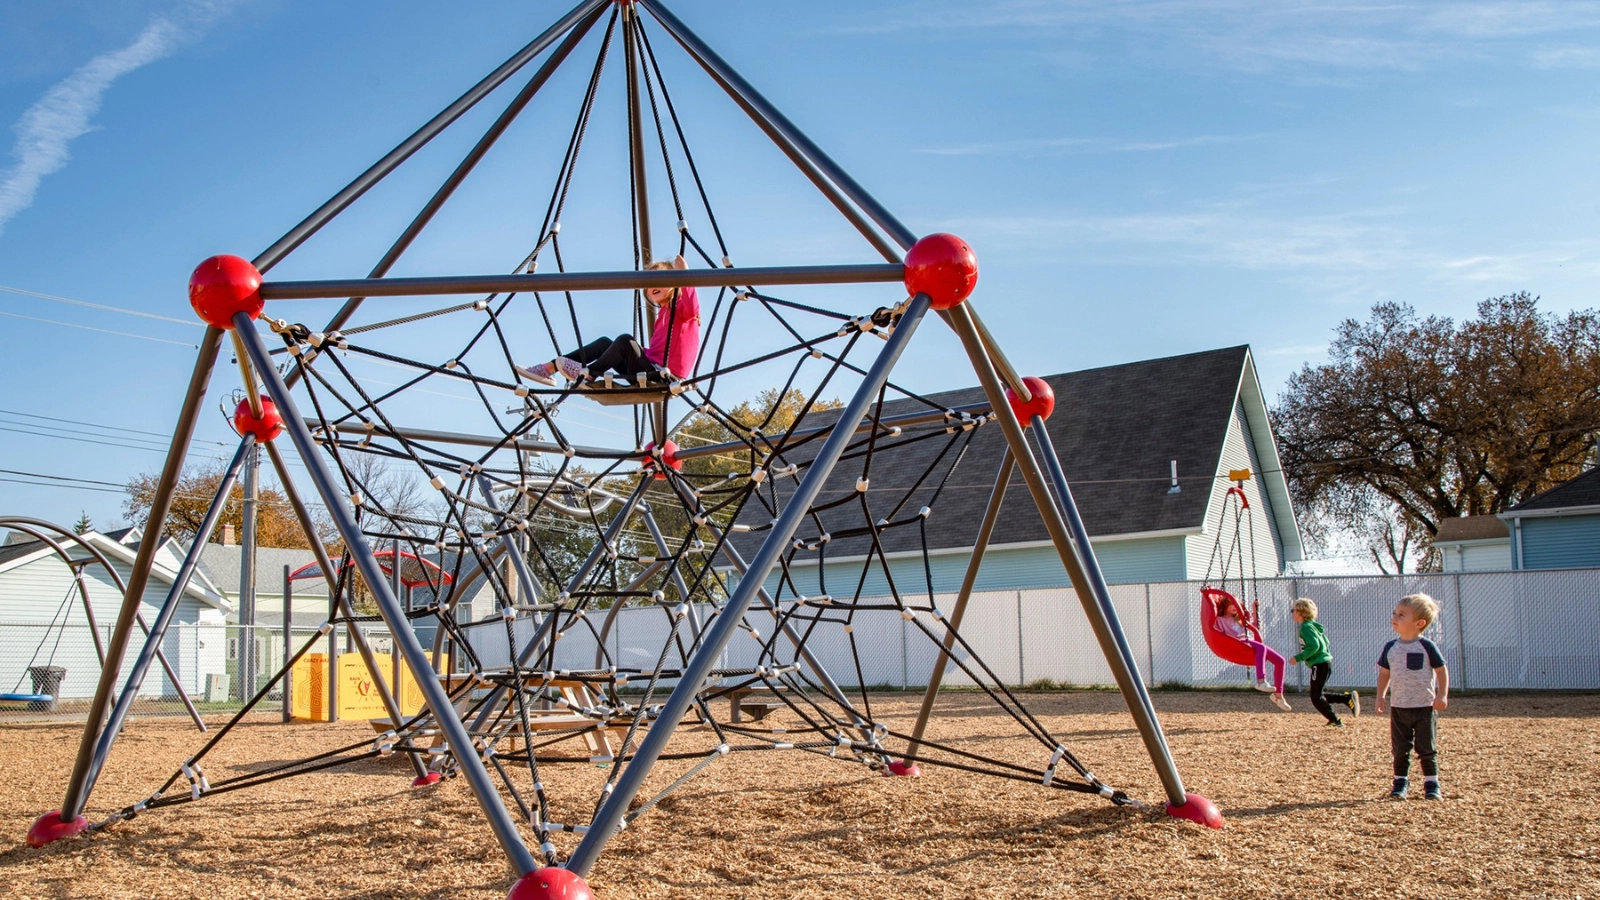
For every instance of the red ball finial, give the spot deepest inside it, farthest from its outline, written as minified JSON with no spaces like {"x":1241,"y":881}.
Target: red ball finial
{"x":943,"y":267}
{"x":550,"y":883}
{"x":1197,"y":809}
{"x":269,"y":426}
{"x":1042,"y":404}
{"x":48,"y":828}
{"x":669,"y":455}
{"x":222,"y":286}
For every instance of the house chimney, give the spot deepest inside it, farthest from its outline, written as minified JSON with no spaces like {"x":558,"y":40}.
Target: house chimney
{"x":227,"y":534}
{"x":1174,"y":488}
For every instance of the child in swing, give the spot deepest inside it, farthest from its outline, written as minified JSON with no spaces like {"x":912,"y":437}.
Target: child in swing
{"x":1232,"y":621}
{"x":674,"y":342}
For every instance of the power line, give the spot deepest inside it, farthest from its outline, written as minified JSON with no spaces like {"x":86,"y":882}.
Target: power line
{"x":13,"y":412}
{"x":142,"y":337}
{"x":115,"y":309}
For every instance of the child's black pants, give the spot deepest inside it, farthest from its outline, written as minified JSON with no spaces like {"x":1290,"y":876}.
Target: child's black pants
{"x":622,"y":355}
{"x":1413,"y":727}
{"x":1319,"y":679}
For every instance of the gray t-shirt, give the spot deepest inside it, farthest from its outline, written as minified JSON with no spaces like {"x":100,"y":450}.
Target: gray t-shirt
{"x":1411,"y":665}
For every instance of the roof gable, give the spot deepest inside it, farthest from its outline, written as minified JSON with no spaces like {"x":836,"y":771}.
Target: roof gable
{"x":1583,"y":491}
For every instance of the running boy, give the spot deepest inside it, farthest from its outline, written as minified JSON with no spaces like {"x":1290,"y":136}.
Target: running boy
{"x":1412,"y":674}
{"x":1315,"y":654}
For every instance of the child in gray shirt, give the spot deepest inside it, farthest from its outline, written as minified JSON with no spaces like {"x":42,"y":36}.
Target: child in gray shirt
{"x":1412,"y":674}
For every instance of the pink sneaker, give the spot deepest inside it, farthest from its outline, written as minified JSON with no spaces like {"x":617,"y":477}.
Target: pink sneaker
{"x":571,"y":369}
{"x":541,"y":373}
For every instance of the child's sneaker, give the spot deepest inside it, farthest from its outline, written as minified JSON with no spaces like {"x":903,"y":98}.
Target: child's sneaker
{"x":1398,"y":792}
{"x":571,"y":369}
{"x":1263,"y":686}
{"x":1335,"y":724}
{"x":1282,"y":703}
{"x":1355,"y":705}
{"x":1431,"y":791}
{"x":541,"y":373}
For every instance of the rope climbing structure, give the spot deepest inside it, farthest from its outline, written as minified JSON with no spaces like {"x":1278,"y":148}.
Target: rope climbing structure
{"x":681,"y":503}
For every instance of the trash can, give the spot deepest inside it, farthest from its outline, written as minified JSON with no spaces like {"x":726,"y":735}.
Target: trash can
{"x":46,"y":680}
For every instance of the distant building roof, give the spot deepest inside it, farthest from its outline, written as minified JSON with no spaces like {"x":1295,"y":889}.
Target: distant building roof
{"x":1581,"y":491}
{"x":1116,"y":428}
{"x":221,"y":563}
{"x":1471,"y":528}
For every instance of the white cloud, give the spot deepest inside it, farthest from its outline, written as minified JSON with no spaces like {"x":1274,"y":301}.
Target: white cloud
{"x":45,"y":132}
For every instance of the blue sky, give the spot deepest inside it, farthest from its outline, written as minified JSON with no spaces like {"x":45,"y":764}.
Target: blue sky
{"x":1139,"y":179}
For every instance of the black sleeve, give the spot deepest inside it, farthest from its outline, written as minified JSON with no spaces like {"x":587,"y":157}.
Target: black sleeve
{"x":1383,"y":655}
{"x":1435,"y":658}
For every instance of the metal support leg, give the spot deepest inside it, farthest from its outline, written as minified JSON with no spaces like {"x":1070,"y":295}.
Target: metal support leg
{"x":991,"y":515}
{"x":609,"y":816}
{"x":169,"y":608}
{"x":1101,"y":619}
{"x":160,"y":505}
{"x":472,"y":767}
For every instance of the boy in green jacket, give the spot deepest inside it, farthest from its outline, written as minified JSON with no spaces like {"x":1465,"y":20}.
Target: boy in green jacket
{"x":1314,"y":653}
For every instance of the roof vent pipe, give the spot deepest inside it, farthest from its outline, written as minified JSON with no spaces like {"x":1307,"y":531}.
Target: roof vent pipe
{"x":1174,"y":489}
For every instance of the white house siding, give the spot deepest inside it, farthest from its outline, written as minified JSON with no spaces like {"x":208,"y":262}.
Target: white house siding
{"x":1004,"y":568}
{"x":31,"y":595}
{"x":1238,"y":452}
{"x":1481,"y":556}
{"x":1561,"y":542}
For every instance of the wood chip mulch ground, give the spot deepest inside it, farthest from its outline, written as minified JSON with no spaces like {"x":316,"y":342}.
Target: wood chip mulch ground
{"x":1306,"y":808}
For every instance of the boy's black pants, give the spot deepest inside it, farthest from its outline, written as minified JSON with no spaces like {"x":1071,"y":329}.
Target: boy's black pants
{"x":1413,"y":727}
{"x":1319,"y":679}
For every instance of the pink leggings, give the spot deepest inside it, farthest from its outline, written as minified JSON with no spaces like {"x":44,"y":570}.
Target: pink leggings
{"x":1265,"y":654}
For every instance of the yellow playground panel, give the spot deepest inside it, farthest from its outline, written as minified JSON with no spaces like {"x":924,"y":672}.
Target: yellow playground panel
{"x":357,"y":693}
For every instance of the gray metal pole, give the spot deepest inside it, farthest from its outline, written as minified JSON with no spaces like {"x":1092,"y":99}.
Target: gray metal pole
{"x":288,"y":639}
{"x":472,"y":768}
{"x":806,"y":155}
{"x":1102,"y":619}
{"x":169,"y":608}
{"x":641,"y":194}
{"x":247,"y":576}
{"x":991,"y":515}
{"x":160,"y":505}
{"x":609,"y":816}
{"x":335,"y":205}
{"x":332,"y":288}
{"x":519,"y":563}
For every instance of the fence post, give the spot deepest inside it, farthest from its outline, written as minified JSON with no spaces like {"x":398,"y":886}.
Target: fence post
{"x":1149,"y":638}
{"x":1299,"y":670}
{"x":1022,"y":674}
{"x":1461,"y":634}
{"x":288,"y":638}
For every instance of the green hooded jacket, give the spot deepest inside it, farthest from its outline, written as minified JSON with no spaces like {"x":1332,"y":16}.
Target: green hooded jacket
{"x":1313,"y":644}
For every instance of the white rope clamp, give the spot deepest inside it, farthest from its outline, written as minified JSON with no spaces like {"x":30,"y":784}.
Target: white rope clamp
{"x":1050,"y":770}
{"x":197,"y":779}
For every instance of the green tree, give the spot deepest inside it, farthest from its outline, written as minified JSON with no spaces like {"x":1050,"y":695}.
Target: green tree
{"x":1414,"y":420}
{"x":84,"y":525}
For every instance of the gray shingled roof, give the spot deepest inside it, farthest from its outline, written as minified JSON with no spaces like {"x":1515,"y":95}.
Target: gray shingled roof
{"x":1116,"y":429}
{"x":1581,"y":491}
{"x":221,"y":565}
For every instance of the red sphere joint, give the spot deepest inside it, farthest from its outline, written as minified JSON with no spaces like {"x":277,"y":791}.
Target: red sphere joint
{"x":669,"y":455}
{"x":49,"y":828}
{"x":223,"y":286}
{"x":1042,"y":404}
{"x":427,"y":780}
{"x":903,"y":769}
{"x":1197,"y":809}
{"x":265,"y":428}
{"x":550,"y":883}
{"x":943,"y":267}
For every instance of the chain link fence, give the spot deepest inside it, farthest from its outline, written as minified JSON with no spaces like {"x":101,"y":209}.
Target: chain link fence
{"x":1535,"y":630}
